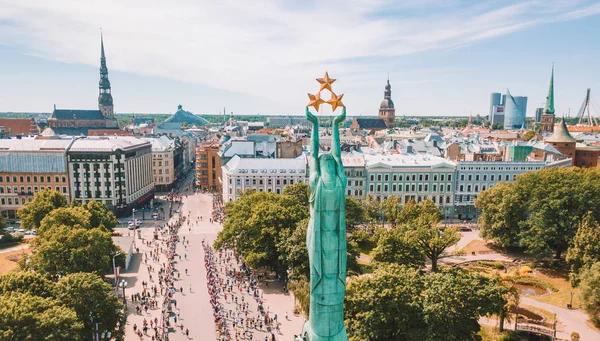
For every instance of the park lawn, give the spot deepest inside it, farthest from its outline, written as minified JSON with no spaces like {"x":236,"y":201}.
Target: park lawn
{"x":6,"y":264}
{"x":563,"y":296}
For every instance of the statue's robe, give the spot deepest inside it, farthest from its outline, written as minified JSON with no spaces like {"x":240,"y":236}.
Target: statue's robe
{"x":326,"y":242}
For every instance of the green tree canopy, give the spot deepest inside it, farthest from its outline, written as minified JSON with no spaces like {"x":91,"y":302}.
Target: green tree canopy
{"x":590,"y":292}
{"x":43,"y":202}
{"x":372,"y":207}
{"x":89,"y":295}
{"x":77,"y":217}
{"x":31,"y":283}
{"x":29,"y":318}
{"x":455,"y":299}
{"x":547,"y":207}
{"x":386,"y":305}
{"x":100,"y":215}
{"x":431,"y":239}
{"x":585,"y":250}
{"x":395,"y":247}
{"x":64,"y":249}
{"x":355,"y":213}
{"x":391,"y":208}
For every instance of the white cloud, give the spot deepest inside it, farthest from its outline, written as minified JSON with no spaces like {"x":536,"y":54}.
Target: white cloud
{"x":265,"y":48}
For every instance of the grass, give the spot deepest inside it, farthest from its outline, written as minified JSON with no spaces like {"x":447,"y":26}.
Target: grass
{"x":489,"y":333}
{"x":532,"y":281}
{"x":7,"y":262}
{"x":562,"y":296}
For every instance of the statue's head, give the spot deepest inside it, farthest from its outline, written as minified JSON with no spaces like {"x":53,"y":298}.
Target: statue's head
{"x":327,"y":165}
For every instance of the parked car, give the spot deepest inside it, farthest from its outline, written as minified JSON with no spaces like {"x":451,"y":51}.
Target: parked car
{"x":20,"y":230}
{"x":10,"y":229}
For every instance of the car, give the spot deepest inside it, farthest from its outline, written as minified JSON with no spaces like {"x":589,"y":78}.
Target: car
{"x":20,"y":230}
{"x":10,"y":229}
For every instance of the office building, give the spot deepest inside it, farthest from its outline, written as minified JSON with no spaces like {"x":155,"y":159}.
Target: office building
{"x":495,"y":101}
{"x":514,"y":111}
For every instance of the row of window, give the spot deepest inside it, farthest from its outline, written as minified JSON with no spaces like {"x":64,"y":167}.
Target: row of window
{"x":470,"y":177}
{"x":28,"y":190}
{"x":97,"y":194}
{"x":409,"y":188}
{"x":418,"y":198}
{"x":4,"y":201}
{"x":41,"y":179}
{"x":408,"y":177}
{"x":248,"y":182}
{"x":501,"y":168}
{"x":356,"y":183}
{"x":160,"y":163}
{"x":160,"y":171}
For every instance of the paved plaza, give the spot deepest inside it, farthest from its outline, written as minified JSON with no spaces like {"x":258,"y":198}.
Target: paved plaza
{"x":193,"y":309}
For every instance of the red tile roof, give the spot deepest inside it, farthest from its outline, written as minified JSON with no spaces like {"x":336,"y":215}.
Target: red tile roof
{"x":18,"y":126}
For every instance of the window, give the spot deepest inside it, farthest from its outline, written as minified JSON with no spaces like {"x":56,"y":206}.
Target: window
{"x":371,"y":188}
{"x":21,"y":179}
{"x":470,"y":177}
{"x":442,"y":177}
{"x":420,"y":177}
{"x":385,"y":188}
{"x":372,"y":177}
{"x":394,"y":177}
{"x":394,"y":188}
{"x":378,"y":177}
{"x":56,"y":178}
{"x":378,"y":188}
{"x":462,"y":177}
{"x":462,"y":188}
{"x":477,"y":177}
{"x":476,"y":188}
{"x":506,"y":177}
{"x":484,"y":177}
{"x":447,"y":200}
{"x":449,"y":177}
{"x":414,"y":177}
{"x":447,"y":188}
{"x":492,"y":177}
{"x":435,"y":177}
{"x":434,"y":188}
{"x":386,"y":178}
{"x":420,"y":188}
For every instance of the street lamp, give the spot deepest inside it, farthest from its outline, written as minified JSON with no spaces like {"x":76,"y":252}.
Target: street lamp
{"x":115,"y":268}
{"x":123,"y":285}
{"x":134,"y":225}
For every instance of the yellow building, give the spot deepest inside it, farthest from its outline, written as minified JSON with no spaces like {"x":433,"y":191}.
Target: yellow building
{"x":208,"y":166}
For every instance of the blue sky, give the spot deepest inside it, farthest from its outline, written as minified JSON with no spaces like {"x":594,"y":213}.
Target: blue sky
{"x":443,"y":57}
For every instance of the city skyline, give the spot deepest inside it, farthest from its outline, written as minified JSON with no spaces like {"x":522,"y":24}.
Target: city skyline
{"x":442,"y":58}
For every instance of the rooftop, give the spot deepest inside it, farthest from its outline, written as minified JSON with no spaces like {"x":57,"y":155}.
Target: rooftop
{"x":271,"y":166}
{"x":409,"y":161}
{"x":561,"y":134}
{"x":107,"y":143}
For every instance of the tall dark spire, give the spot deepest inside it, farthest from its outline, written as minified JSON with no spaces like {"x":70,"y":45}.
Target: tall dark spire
{"x":105,"y":100}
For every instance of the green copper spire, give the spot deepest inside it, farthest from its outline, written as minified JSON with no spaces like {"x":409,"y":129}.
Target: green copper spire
{"x":105,"y":100}
{"x":549,"y":109}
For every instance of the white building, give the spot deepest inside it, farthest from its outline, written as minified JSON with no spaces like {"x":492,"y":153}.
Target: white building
{"x":412,"y":177}
{"x":163,"y":165}
{"x":474,"y":177}
{"x":354,"y":167}
{"x":262,"y":175}
{"x":116,"y":171}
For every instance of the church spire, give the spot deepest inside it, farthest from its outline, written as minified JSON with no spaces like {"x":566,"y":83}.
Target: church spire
{"x":105,"y":100}
{"x":549,"y":109}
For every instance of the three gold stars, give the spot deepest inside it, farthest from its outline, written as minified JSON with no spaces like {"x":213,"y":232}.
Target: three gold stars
{"x":335,"y":101}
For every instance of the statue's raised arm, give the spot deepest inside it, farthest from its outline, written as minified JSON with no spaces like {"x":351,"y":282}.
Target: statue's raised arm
{"x":336,"y":151}
{"x":314,"y":141}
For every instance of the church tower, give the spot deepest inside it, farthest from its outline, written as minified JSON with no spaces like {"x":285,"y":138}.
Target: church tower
{"x":547,"y":121}
{"x":105,"y":100}
{"x":387,"y":112}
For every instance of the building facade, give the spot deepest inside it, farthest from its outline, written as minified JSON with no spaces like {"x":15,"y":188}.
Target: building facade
{"x":261,"y":175}
{"x":354,"y":167}
{"x":28,"y":166}
{"x":412,"y":177}
{"x":208,"y":166}
{"x":163,"y":162}
{"x":475,"y":177}
{"x":116,"y":171}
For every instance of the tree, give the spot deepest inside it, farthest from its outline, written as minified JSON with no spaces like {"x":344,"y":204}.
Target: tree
{"x":77,"y":217}
{"x":64,"y":249}
{"x":431,"y":239}
{"x":293,"y":251}
{"x":455,"y":299}
{"x":31,"y":283}
{"x":372,"y":207}
{"x":44,"y":202}
{"x":585,"y":250}
{"x":391,"y":208}
{"x":394,"y":247}
{"x":300,"y":191}
{"x":590,"y":292}
{"x":529,"y":135}
{"x":100,"y":215}
{"x":355,"y":213}
{"x":253,"y":228}
{"x":386,"y":305}
{"x":541,"y":210}
{"x":90,"y":296}
{"x":502,"y":208}
{"x":412,"y":211}
{"x":27,"y":317}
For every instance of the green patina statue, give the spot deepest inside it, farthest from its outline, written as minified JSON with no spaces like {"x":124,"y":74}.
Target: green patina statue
{"x":326,"y":239}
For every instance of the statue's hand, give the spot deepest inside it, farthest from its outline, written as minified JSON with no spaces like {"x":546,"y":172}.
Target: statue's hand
{"x":310,"y":116}
{"x":341,"y":117}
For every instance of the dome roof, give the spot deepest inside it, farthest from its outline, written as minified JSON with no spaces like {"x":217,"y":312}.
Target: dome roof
{"x":386,"y":104}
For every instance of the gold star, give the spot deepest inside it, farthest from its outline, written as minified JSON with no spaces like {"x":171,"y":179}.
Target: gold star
{"x":326,"y":82}
{"x":315,"y":100}
{"x":335,"y":101}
